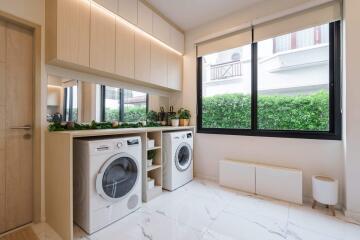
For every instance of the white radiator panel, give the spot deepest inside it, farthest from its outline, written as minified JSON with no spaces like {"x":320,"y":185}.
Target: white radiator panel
{"x":237,"y":175}
{"x":280,"y":183}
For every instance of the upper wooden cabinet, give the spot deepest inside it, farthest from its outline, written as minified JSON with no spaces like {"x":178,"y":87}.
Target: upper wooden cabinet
{"x":145,"y":17}
{"x":161,"y":29}
{"x":177,"y":40}
{"x":142,"y":57}
{"x":158,"y":65}
{"x":102,"y":40}
{"x":174,"y":71}
{"x":68,"y":31}
{"x":128,"y":9}
{"x":125,"y":50}
{"x":111,"y":5}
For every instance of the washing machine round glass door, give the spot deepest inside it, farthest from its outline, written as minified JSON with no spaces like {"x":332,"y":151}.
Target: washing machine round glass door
{"x":183,"y":157}
{"x":117,"y":177}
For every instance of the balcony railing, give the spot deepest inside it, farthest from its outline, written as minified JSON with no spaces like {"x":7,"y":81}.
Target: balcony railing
{"x":225,"y":70}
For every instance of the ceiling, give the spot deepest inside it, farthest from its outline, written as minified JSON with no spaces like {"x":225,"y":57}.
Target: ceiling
{"x":188,"y":14}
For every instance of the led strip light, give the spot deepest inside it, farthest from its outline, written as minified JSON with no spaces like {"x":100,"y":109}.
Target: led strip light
{"x":133,"y":27}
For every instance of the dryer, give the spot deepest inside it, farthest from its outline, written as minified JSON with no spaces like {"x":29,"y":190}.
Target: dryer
{"x":107,"y":180}
{"x":177,"y":159}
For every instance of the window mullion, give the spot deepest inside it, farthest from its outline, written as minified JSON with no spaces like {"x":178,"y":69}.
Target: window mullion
{"x":254,"y":86}
{"x":121,"y":105}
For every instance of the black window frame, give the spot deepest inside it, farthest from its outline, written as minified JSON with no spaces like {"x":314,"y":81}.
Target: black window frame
{"x":121,"y":104}
{"x":335,"y":115}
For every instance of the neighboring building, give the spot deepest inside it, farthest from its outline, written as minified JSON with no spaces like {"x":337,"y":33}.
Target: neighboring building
{"x":296,"y":63}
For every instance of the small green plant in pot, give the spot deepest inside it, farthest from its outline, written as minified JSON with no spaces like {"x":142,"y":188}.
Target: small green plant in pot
{"x":150,"y":157}
{"x":174,"y":120}
{"x":184,"y":116}
{"x":152,"y":117}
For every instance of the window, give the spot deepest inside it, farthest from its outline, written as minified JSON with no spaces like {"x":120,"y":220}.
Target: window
{"x":70,"y":104}
{"x":123,"y":105}
{"x":286,"y":86}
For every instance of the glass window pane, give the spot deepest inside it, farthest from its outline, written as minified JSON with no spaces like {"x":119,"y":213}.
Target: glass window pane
{"x":226,"y":89}
{"x":112,"y":104}
{"x":293,"y":81}
{"x":135,"y":106}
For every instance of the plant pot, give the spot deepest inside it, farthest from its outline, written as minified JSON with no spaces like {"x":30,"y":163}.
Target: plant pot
{"x":149,"y":162}
{"x":184,"y":122}
{"x":175,"y":122}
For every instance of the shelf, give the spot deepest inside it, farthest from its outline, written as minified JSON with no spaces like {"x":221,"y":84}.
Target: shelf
{"x":154,"y":192}
{"x":153,"y":167}
{"x":154,"y":148}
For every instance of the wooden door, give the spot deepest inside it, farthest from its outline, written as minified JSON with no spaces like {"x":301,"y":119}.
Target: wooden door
{"x":16,"y":113}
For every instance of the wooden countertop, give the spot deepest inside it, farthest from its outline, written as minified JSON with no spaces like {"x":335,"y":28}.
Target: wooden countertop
{"x":105,"y":132}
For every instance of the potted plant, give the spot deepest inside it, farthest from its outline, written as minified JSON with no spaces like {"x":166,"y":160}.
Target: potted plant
{"x":152,"y":117}
{"x":150,"y":157}
{"x":184,"y":116}
{"x":174,"y":120}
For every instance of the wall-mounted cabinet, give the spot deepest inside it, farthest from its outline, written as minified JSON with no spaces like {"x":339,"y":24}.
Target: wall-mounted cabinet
{"x":128,"y":9}
{"x":84,"y":36}
{"x":145,"y":17}
{"x":142,"y":58}
{"x":68,"y":31}
{"x":111,"y":5}
{"x":161,"y":29}
{"x":177,"y":40}
{"x":125,"y":50}
{"x":158,"y":65}
{"x":102,"y":40}
{"x":174,"y":71}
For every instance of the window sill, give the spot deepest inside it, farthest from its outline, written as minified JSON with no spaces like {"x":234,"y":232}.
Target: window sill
{"x":272,"y":133}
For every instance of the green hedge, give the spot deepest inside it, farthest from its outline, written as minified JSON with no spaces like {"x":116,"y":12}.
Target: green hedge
{"x":301,"y":112}
{"x":133,"y":114}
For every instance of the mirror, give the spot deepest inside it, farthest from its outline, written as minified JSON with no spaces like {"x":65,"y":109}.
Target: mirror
{"x":71,"y":100}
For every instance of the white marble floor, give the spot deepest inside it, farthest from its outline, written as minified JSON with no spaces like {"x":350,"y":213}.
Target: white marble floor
{"x":203,"y":210}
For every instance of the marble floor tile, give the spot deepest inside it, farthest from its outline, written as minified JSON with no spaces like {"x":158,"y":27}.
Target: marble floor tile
{"x":203,"y":210}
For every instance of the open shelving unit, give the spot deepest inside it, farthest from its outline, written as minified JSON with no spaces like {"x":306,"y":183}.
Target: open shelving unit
{"x":154,"y":171}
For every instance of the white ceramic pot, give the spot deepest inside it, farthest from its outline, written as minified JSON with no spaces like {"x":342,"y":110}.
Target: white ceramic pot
{"x":325,"y":190}
{"x":149,"y":162}
{"x":175,"y":122}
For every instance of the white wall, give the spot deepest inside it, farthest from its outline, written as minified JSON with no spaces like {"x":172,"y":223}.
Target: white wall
{"x":352,"y":107}
{"x":312,"y":156}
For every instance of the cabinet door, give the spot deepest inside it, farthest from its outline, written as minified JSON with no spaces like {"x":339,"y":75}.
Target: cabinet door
{"x":111,"y":5}
{"x":73,"y":32}
{"x":145,"y":17}
{"x":177,"y":40}
{"x":174,"y":76}
{"x":142,"y":57}
{"x":158,"y":65}
{"x":102,"y":40}
{"x":161,"y":29}
{"x":128,"y":9}
{"x":125,"y":50}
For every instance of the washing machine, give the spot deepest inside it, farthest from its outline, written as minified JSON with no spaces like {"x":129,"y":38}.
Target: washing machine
{"x":177,"y":159}
{"x":107,"y":180}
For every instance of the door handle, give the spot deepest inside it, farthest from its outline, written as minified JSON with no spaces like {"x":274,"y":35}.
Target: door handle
{"x":25,"y":127}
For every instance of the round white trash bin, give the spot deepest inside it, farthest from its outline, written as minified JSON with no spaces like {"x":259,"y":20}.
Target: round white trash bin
{"x":325,"y":191}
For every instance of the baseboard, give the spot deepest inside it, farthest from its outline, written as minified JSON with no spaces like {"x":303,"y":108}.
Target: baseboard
{"x":352,"y":214}
{"x":206,"y":177}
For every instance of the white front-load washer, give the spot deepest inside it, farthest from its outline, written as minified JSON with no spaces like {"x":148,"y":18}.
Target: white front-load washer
{"x":107,"y":180}
{"x":177,"y":159}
